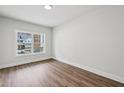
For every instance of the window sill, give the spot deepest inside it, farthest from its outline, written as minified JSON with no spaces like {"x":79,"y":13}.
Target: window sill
{"x":19,"y":55}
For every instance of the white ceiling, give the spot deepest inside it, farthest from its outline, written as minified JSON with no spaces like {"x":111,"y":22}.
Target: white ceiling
{"x":37,"y":14}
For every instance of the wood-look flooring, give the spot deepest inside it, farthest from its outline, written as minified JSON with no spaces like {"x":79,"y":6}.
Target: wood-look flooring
{"x":51,"y":73}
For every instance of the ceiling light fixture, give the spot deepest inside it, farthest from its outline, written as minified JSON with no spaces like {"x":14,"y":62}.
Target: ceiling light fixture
{"x":48,"y":7}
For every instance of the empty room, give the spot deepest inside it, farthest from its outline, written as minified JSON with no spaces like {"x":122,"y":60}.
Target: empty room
{"x":61,"y":46}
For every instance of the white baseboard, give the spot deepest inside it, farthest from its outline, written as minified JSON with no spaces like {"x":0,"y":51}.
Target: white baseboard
{"x":24,"y":62}
{"x":96,"y":71}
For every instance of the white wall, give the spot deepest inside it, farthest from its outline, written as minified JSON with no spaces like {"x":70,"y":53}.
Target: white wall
{"x":7,"y":42}
{"x":94,"y":41}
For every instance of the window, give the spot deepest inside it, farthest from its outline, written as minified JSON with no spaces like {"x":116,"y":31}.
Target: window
{"x":30,"y":43}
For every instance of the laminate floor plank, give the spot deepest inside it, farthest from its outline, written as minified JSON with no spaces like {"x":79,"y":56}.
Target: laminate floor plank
{"x":52,"y":73}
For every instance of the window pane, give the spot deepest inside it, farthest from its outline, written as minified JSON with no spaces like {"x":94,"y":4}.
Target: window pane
{"x":24,"y":43}
{"x":37,"y":43}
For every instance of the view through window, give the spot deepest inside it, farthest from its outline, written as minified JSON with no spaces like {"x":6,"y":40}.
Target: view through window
{"x":30,"y":43}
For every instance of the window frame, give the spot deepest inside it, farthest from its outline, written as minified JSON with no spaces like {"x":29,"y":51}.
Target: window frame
{"x":32,"y":45}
